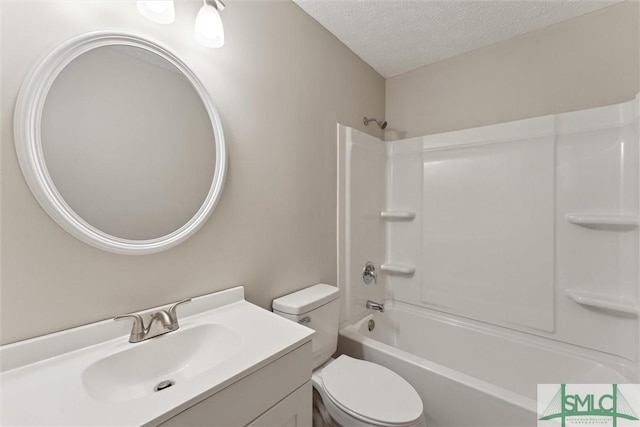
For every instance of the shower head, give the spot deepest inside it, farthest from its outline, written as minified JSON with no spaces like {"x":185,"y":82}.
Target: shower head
{"x":382,"y":124}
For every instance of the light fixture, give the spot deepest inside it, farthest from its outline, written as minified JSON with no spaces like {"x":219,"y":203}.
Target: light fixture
{"x":208,"y":28}
{"x":160,"y":11}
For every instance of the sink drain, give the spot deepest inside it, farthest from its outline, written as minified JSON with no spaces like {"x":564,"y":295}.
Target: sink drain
{"x":164,"y":385}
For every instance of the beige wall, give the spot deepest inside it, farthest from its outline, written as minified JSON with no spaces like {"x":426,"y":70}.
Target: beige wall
{"x":586,"y":62}
{"x":280,"y":83}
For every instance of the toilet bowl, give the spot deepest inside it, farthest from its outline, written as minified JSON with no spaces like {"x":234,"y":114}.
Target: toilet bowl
{"x":360,"y":393}
{"x":351,"y":392}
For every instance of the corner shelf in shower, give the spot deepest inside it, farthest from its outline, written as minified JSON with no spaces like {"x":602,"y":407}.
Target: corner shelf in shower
{"x":617,"y":304}
{"x":397,"y":215}
{"x":603,"y":220}
{"x":394,"y":268}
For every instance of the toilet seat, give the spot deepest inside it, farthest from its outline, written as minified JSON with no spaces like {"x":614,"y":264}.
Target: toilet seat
{"x":371,"y":393}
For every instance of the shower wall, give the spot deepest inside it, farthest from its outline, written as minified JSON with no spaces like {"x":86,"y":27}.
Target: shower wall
{"x":362,"y":161}
{"x":529,"y":225}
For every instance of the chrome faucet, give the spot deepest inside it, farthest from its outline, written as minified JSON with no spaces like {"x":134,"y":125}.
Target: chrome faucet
{"x":375,"y":306}
{"x":161,"y":322}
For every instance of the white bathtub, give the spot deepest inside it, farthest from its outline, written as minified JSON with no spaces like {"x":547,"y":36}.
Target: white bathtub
{"x":469,"y":374}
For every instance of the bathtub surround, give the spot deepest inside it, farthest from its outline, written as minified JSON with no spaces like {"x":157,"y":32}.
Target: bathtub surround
{"x":529,"y":225}
{"x":361,"y":198}
{"x":508,"y":258}
{"x":586,"y":62}
{"x":266,"y":233}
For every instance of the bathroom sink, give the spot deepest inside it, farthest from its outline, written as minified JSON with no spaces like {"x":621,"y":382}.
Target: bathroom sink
{"x":157,"y":364}
{"x":92,"y":374}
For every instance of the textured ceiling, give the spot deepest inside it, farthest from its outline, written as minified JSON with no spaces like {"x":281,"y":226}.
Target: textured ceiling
{"x":396,"y":36}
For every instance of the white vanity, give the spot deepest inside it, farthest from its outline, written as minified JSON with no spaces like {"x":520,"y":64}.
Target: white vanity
{"x":230,"y":363}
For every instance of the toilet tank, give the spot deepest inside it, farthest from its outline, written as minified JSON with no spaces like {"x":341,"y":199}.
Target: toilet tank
{"x":316,"y":307}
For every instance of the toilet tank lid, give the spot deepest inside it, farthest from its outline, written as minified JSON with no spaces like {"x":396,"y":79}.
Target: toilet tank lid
{"x":306,"y":299}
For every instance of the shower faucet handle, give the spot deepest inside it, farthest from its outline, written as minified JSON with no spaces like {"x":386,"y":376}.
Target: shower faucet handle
{"x":369,"y":273}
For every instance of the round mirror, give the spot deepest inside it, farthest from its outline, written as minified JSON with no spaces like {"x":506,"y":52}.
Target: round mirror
{"x":120,"y":143}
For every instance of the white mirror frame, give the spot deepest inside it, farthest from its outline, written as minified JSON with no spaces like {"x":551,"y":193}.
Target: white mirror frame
{"x":28,"y":113}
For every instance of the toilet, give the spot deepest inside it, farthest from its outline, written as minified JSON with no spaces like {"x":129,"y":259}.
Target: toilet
{"x":347,"y":391}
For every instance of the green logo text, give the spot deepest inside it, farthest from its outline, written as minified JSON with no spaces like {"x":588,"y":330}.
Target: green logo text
{"x":613,"y":406}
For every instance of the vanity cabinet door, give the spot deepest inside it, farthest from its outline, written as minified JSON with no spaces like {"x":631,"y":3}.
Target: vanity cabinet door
{"x":247,"y":400}
{"x":292,"y":411}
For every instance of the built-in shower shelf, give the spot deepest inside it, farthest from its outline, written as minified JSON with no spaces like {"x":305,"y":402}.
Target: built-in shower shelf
{"x":397,"y":215}
{"x":394,"y":268}
{"x":601,"y":220}
{"x":617,"y":304}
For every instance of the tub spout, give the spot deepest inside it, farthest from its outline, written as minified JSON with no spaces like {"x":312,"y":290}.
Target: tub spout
{"x":375,"y":306}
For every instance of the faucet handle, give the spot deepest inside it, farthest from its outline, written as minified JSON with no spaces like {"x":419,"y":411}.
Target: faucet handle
{"x":138,"y":324}
{"x":137,"y":331}
{"x":172,"y":310}
{"x":369,"y":273}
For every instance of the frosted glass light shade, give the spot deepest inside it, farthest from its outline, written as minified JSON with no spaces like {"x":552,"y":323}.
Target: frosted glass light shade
{"x":208,"y":28}
{"x":160,"y":11}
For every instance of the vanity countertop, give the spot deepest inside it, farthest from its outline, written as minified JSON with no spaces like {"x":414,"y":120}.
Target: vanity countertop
{"x":56,"y":379}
